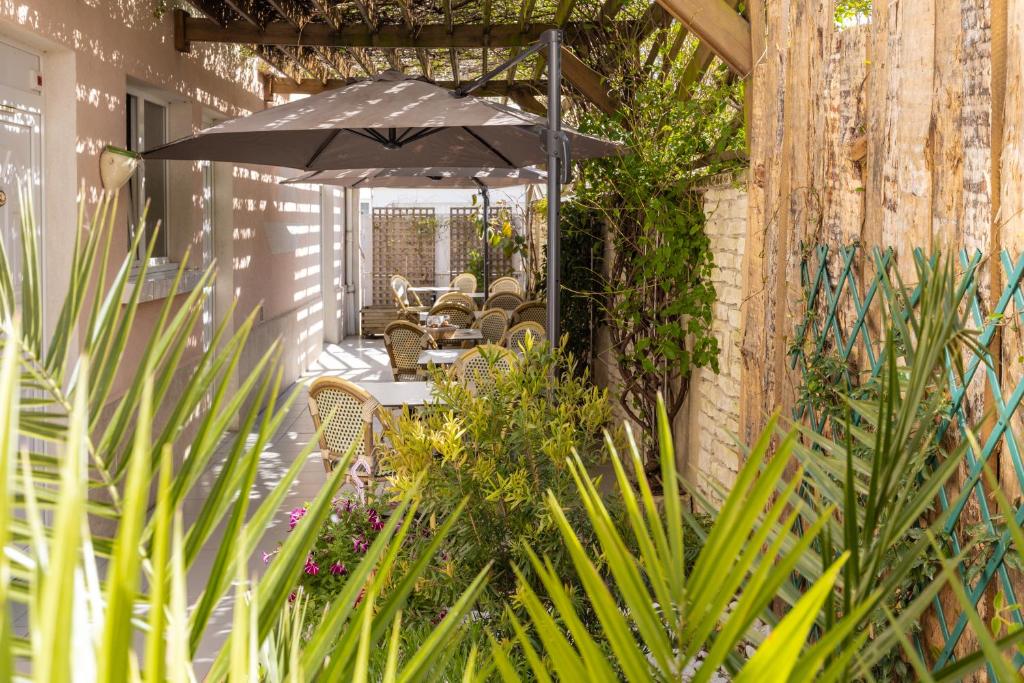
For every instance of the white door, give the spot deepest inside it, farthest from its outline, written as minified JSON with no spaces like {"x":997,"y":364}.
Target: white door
{"x":20,"y":147}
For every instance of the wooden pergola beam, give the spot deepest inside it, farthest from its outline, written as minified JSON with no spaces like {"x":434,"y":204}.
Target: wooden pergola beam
{"x":527,"y":101}
{"x":588,"y":82}
{"x":437,"y":36}
{"x":719,"y":26}
{"x":495,"y":88}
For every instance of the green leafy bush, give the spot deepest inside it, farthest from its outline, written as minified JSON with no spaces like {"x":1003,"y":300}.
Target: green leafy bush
{"x":498,"y":450}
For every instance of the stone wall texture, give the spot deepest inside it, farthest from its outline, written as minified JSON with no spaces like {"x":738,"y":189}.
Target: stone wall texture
{"x":712,"y":415}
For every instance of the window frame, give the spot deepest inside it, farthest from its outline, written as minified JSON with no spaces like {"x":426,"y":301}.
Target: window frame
{"x":137,"y":97}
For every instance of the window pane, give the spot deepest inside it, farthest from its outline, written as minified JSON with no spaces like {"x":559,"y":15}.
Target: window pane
{"x":154,"y":134}
{"x":135,"y":182}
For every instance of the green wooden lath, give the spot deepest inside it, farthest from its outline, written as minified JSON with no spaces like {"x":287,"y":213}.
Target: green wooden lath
{"x":838,"y":319}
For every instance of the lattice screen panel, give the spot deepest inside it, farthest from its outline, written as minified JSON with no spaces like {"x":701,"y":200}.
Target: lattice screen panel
{"x":464,"y":237}
{"x":501,"y":264}
{"x":403,"y":244}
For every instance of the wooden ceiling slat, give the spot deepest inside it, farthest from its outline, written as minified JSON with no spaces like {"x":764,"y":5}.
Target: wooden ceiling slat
{"x":610,"y":9}
{"x":525,"y":15}
{"x":673,"y":51}
{"x":562,"y":14}
{"x":244,"y":12}
{"x":364,"y":61}
{"x":487,"y":37}
{"x":390,"y":36}
{"x":328,"y":12}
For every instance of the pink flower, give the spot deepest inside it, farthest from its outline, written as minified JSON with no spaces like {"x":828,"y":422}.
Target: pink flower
{"x":294,"y":517}
{"x":312,"y":568}
{"x":339,"y":569}
{"x":377,"y":524}
{"x":291,"y":597}
{"x":268,"y":556}
{"x":359,"y":545}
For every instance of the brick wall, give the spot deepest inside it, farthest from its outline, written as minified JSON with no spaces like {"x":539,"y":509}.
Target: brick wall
{"x":707,"y":428}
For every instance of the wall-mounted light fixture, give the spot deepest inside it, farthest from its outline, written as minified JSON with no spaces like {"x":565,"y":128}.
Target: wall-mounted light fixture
{"x":117,"y":166}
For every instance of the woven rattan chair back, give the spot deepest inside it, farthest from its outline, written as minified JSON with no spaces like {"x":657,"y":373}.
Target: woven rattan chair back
{"x":349,"y":412}
{"x":458,"y":315}
{"x":506,"y":284}
{"x":458,"y":298}
{"x":479,"y":367}
{"x":465,"y":283}
{"x":404,"y":297}
{"x":404,"y":341}
{"x":492,"y":325}
{"x":535,"y":311}
{"x":508,"y":301}
{"x":515,"y":338}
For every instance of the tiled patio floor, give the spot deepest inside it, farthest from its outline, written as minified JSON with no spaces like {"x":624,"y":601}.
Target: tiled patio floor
{"x":355,"y":359}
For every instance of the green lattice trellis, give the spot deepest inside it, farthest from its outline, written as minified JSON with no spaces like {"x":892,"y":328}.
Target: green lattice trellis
{"x":833,"y":299}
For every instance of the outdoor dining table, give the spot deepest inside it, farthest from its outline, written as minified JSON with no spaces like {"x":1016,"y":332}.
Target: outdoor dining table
{"x":393,"y":395}
{"x":460,"y":336}
{"x":434,"y":292}
{"x":440,"y":356}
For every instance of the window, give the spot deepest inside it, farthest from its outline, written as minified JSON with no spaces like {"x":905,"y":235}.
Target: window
{"x":147,"y":128}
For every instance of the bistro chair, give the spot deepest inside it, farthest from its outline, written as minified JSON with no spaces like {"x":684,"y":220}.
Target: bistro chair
{"x":515,"y":338}
{"x":457,"y":297}
{"x":350,"y":412}
{"x":480,"y":366}
{"x":465,"y":283}
{"x":505,"y":284}
{"x":458,"y":315}
{"x":404,"y":341}
{"x":408,"y":301}
{"x":535,"y":311}
{"x":492,"y":325}
{"x":508,"y":301}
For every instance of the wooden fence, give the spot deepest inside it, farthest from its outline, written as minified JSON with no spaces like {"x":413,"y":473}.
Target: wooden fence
{"x":907,"y":131}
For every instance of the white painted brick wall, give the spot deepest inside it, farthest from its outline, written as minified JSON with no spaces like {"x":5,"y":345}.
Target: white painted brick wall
{"x":712,"y":419}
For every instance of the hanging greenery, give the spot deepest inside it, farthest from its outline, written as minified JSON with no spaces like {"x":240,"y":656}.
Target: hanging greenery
{"x":656,"y":293}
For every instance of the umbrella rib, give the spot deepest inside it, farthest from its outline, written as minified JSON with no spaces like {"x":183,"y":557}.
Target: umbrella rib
{"x":419,"y":135}
{"x":322,"y":147}
{"x":489,"y":146}
{"x":369,"y":134}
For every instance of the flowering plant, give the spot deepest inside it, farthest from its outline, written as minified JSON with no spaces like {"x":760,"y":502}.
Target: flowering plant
{"x":341,"y":544}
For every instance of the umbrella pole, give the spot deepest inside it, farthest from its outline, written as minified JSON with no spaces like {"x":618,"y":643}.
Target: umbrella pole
{"x":554,"y":44}
{"x":487,"y":242}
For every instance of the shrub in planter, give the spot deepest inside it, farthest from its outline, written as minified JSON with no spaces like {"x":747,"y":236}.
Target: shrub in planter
{"x":499,"y":450}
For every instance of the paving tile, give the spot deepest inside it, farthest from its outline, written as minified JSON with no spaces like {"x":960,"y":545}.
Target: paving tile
{"x":354,"y":359}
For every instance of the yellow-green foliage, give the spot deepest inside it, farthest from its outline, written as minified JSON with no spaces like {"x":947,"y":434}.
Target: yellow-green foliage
{"x":500,"y":450}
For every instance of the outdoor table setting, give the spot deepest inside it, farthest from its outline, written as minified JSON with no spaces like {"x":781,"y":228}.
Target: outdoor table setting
{"x":459,"y":336}
{"x":433,"y":292}
{"x":394,"y":395}
{"x":439,"y":356}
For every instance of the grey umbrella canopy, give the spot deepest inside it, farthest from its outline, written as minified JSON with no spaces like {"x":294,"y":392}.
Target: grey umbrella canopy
{"x":425,"y":178}
{"x":391,"y":121}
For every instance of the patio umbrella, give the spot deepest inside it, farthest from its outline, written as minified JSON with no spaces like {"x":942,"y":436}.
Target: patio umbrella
{"x":425,"y":178}
{"x":482,"y":179}
{"x":393,"y":121}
